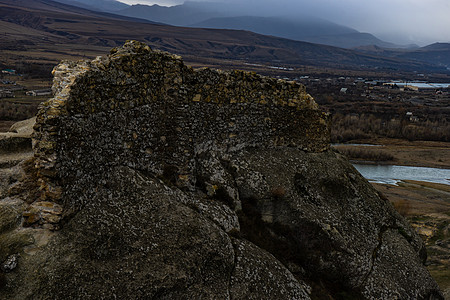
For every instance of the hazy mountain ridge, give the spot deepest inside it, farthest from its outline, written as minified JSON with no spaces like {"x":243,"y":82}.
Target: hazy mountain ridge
{"x":179,"y":15}
{"x":102,"y":5}
{"x":273,"y":25}
{"x":51,"y":8}
{"x":314,"y":30}
{"x":437,"y":46}
{"x":222,"y":16}
{"x":216,"y":15}
{"x":437,"y":53}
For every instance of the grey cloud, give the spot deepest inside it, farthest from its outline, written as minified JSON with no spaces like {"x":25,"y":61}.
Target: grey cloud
{"x":422,"y":21}
{"x":151,"y":2}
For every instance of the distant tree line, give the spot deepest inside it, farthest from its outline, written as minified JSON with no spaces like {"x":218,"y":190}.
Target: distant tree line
{"x":35,"y":70}
{"x":16,"y":111}
{"x":357,"y":127}
{"x":364,"y":153}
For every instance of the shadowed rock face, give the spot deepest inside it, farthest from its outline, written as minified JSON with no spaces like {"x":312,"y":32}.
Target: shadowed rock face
{"x":171,"y":183}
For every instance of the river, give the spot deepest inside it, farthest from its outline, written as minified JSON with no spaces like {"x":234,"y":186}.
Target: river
{"x":390,"y":174}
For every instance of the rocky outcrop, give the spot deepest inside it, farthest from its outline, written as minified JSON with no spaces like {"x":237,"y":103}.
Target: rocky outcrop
{"x":169,"y":115}
{"x":157,"y":181}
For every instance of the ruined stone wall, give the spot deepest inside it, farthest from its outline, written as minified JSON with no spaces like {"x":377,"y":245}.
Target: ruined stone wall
{"x":147,"y":110}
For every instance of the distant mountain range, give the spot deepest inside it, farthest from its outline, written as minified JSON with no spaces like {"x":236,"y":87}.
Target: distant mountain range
{"x":437,"y":54}
{"x":100,"y":5}
{"x":179,"y":15}
{"x":220,"y":16}
{"x":53,"y":27}
{"x":210,"y":15}
{"x":303,"y":28}
{"x":312,"y":30}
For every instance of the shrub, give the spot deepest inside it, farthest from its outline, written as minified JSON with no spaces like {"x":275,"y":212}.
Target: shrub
{"x":365,"y":154}
{"x":16,"y":111}
{"x":402,"y":207}
{"x":364,"y":126}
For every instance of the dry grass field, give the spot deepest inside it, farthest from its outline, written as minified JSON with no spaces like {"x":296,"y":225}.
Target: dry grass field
{"x":401,"y":152}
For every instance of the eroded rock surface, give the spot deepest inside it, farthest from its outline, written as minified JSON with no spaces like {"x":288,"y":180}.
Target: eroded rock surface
{"x":157,"y":181}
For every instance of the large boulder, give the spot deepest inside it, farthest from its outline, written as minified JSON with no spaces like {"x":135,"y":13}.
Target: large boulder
{"x":157,"y":181}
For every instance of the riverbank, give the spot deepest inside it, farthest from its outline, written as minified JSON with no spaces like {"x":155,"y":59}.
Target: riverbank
{"x":404,"y":153}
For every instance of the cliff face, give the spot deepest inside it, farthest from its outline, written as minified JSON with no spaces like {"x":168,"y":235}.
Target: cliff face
{"x":158,"y":181}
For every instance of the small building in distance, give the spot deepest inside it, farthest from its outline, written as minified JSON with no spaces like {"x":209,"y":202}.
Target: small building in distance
{"x":9,"y":71}
{"x":7,"y":82}
{"x":34,"y":93}
{"x":411,"y":117}
{"x":6,"y":94}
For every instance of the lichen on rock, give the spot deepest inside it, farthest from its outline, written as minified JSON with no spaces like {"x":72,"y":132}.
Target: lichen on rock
{"x":158,"y":181}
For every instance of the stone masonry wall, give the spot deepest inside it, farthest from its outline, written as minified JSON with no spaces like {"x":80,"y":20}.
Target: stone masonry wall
{"x":147,"y":110}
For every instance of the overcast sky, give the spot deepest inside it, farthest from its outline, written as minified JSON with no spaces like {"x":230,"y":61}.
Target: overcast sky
{"x":401,"y":21}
